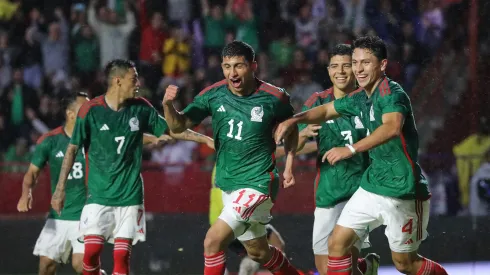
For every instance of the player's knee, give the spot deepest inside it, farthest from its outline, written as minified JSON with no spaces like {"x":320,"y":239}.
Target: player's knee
{"x":47,"y":266}
{"x":77,"y":264}
{"x":259,"y":256}
{"x":337,"y":246}
{"x":211,"y":243}
{"x":402,"y":262}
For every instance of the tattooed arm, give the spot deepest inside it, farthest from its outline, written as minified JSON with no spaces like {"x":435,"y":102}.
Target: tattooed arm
{"x":194,"y":136}
{"x":58,"y":199}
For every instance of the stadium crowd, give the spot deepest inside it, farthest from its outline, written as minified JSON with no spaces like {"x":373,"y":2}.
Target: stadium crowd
{"x":51,"y":48}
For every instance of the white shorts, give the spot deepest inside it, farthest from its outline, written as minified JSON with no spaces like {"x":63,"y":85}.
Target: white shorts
{"x":325,"y":221}
{"x":114,"y":222}
{"x":406,"y":220}
{"x":57,"y":239}
{"x":246,"y":211}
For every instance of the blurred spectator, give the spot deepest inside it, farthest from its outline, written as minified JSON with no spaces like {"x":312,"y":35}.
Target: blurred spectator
{"x":480,"y":189}
{"x":246,"y":26}
{"x":433,"y":24}
{"x":86,"y":53}
{"x":305,"y":87}
{"x":281,"y":52}
{"x":113,"y":35}
{"x":215,"y":25}
{"x":18,"y":154}
{"x":306,"y":29}
{"x":413,"y":55}
{"x":354,"y":15}
{"x":320,"y":70}
{"x":176,"y":57}
{"x":179,"y":10}
{"x":31,"y":60}
{"x":469,"y":155}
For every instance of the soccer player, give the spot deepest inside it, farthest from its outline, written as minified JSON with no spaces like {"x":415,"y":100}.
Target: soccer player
{"x":60,"y":233}
{"x":335,"y":184}
{"x":244,"y":112}
{"x":110,"y":129}
{"x":393,"y":191}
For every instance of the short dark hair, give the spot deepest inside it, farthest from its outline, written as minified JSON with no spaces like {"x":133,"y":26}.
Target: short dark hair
{"x":340,"y":49}
{"x":239,"y":48}
{"x":69,"y":99}
{"x":118,"y":67}
{"x":374,"y":44}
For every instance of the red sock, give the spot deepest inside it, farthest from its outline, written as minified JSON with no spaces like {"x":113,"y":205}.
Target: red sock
{"x":339,"y":265}
{"x":431,"y":268}
{"x":91,"y":256}
{"x":279,"y":264}
{"x":122,"y":254}
{"x":362,"y":265}
{"x":215,"y":264}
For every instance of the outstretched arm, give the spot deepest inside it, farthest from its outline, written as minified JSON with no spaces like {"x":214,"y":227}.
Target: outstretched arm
{"x":304,"y":147}
{"x":290,"y":146}
{"x":30,"y":181}
{"x":194,"y":136}
{"x":177,"y":122}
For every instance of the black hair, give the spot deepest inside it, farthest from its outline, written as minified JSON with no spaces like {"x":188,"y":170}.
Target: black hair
{"x":70,"y":98}
{"x":340,"y":49}
{"x":118,"y":67}
{"x":374,"y":44}
{"x":239,"y":48}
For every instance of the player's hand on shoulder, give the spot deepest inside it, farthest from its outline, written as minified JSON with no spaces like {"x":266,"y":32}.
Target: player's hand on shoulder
{"x":25,"y":203}
{"x":311,"y":130}
{"x":283,"y":130}
{"x":288,"y":178}
{"x":337,"y":154}
{"x":171,"y":93}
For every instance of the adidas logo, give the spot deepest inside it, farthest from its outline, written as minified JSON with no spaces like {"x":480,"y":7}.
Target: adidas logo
{"x":221,"y":109}
{"x":409,"y":241}
{"x":104,"y":127}
{"x":60,"y":154}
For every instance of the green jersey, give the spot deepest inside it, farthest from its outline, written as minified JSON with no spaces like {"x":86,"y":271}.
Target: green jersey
{"x":243,"y":133}
{"x":394,"y":170}
{"x":50,"y":149}
{"x":113,"y":141}
{"x":336,"y":183}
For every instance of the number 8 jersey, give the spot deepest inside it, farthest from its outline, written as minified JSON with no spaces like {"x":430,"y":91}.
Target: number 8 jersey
{"x":50,"y":149}
{"x":336,"y":183}
{"x":243,"y":133}
{"x":113,"y":142}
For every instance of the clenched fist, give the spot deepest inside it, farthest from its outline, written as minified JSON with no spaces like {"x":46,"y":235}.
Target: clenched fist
{"x":170,"y":94}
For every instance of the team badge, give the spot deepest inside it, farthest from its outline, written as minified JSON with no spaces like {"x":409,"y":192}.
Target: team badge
{"x":257,"y":114}
{"x":134,"y":124}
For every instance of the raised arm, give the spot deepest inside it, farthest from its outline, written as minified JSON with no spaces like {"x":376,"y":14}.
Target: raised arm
{"x":178,"y":122}
{"x":30,"y":181}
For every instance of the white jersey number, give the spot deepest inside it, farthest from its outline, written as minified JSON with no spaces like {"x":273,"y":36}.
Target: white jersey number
{"x":76,"y":171}
{"x":347,"y":136}
{"x":120,"y":141}
{"x":238,"y":135}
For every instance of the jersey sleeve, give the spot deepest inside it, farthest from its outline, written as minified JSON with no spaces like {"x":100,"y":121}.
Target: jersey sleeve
{"x":346,"y":106}
{"x":41,"y":153}
{"x":157,"y":125}
{"x":81,"y":131}
{"x":198,"y":110}
{"x":395,"y":102}
{"x":284,"y":109}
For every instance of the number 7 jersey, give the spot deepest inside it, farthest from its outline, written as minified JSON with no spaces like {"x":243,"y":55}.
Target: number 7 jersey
{"x":243,"y":133}
{"x":113,"y":142}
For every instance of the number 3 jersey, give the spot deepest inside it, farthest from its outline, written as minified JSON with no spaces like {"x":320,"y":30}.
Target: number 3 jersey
{"x":50,"y":149}
{"x":336,"y":183}
{"x":113,"y":142}
{"x":243,"y":133}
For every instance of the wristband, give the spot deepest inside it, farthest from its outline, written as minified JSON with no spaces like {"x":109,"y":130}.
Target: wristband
{"x":351,"y":148}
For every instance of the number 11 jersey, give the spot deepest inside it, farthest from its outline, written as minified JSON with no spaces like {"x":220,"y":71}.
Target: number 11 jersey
{"x":243,"y":133}
{"x":113,"y":142}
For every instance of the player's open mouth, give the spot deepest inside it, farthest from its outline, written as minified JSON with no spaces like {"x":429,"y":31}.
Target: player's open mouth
{"x":341,"y":79}
{"x":236,"y":82}
{"x":362,"y":77}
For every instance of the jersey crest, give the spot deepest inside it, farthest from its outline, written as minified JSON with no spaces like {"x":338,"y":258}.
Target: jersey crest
{"x":134,"y":124}
{"x":256,"y":114}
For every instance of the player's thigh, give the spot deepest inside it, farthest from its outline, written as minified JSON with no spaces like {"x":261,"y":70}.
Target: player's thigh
{"x":243,"y":208}
{"x":323,"y":225}
{"x":130,"y":223}
{"x":53,"y":241}
{"x":98,"y":220}
{"x":406,"y":223}
{"x":361,"y":214}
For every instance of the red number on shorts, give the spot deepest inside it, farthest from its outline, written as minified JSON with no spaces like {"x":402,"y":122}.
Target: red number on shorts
{"x":239,"y":197}
{"x":140,"y":215}
{"x":250,"y":199}
{"x":407,"y":228}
